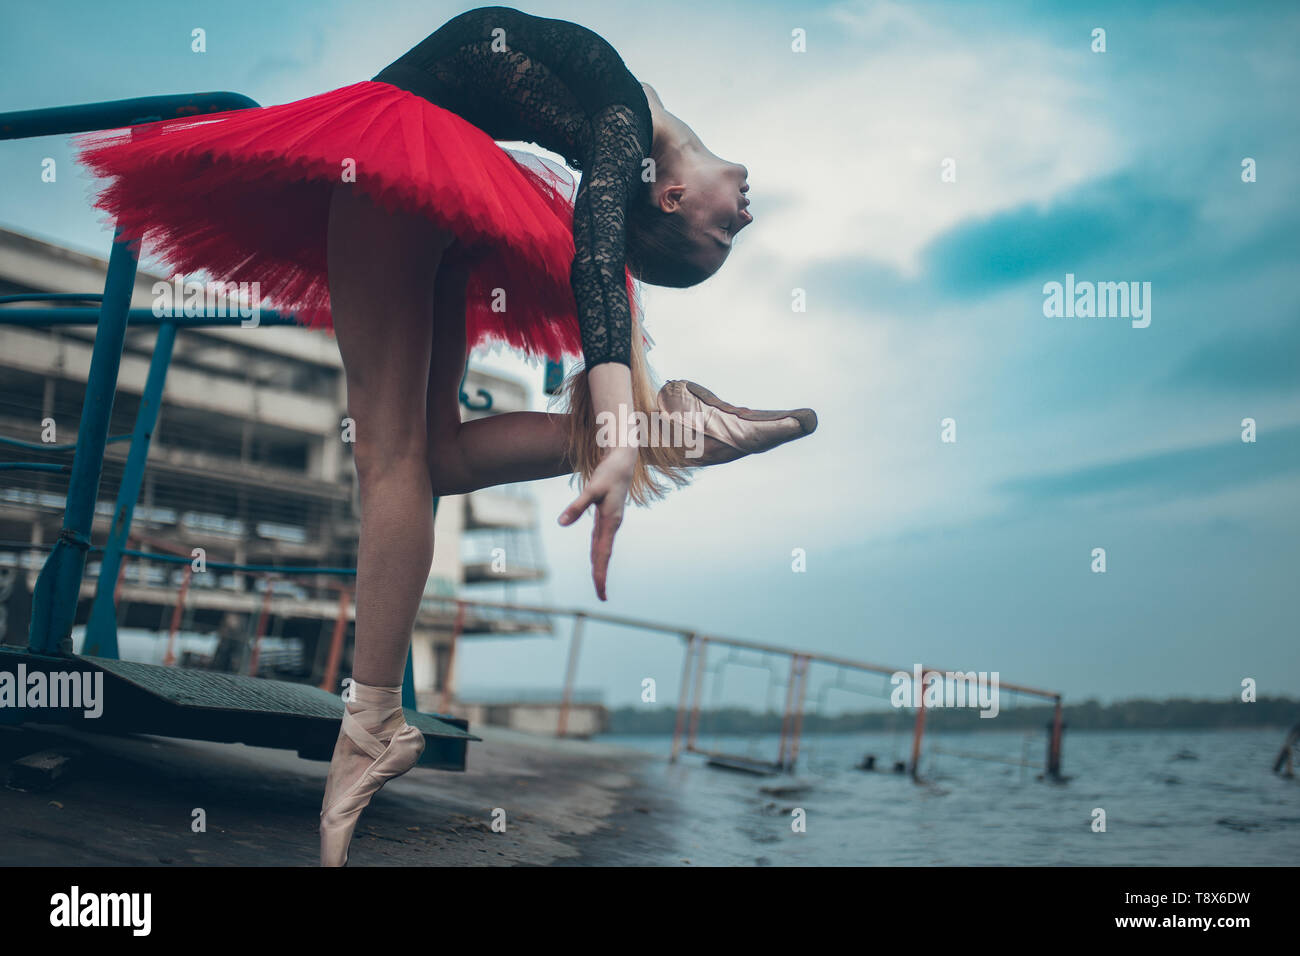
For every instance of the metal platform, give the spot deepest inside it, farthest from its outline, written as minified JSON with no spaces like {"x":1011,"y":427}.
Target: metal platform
{"x":204,"y":705}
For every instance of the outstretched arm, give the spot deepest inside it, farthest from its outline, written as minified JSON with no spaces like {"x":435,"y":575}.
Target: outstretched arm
{"x":599,"y":282}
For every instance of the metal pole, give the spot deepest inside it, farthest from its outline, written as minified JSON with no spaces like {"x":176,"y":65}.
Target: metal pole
{"x":170,"y":657}
{"x":101,"y":632}
{"x":408,"y":679}
{"x":58,"y":587}
{"x":570,"y":673}
{"x":444,"y":705}
{"x":330,"y":682}
{"x":117,"y":588}
{"x":680,"y":723}
{"x":798,"y":711}
{"x":262,"y":620}
{"x":920,"y":727}
{"x":786,"y":712}
{"x":1284,"y":763}
{"x":701,"y":658}
{"x":1054,"y":743}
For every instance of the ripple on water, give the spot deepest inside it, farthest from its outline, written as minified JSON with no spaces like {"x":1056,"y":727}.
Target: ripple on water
{"x":1244,"y":826}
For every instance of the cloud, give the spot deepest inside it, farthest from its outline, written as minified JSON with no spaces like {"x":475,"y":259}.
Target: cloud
{"x":1117,"y":219}
{"x":1245,"y":361}
{"x":1166,"y":475}
{"x":851,"y":134}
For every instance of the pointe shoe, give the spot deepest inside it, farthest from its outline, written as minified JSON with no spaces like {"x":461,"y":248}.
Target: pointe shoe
{"x":740,"y":431}
{"x":379,"y":729}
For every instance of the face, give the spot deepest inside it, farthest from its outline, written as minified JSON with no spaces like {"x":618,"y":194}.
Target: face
{"x":714,"y":203}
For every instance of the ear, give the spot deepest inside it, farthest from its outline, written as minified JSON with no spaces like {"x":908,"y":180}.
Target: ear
{"x":670,"y":198}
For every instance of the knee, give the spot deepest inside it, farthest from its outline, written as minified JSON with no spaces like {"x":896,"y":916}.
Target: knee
{"x":377,"y":460}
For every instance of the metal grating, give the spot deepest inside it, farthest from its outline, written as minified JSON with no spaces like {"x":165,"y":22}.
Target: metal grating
{"x":218,"y":691}
{"x":207,"y":705}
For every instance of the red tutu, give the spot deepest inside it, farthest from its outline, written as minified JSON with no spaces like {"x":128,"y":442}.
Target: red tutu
{"x":244,"y":196}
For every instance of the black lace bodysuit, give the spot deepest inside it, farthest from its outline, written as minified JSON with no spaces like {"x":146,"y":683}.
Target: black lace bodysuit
{"x":561,"y":86}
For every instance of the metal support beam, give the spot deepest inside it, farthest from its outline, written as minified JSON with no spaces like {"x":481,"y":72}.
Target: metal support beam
{"x":570,"y":674}
{"x":178,"y":612}
{"x":58,"y":587}
{"x":408,"y":680}
{"x":1057,"y":732}
{"x":444,"y":705}
{"x":787,"y":713}
{"x":101,"y":632}
{"x":701,"y":659}
{"x":919,"y":730}
{"x":797,"y":732}
{"x":680,"y":723}
{"x":330,"y":682}
{"x":263,"y":619}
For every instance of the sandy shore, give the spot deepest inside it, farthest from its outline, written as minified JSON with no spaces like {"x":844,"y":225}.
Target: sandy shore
{"x":129,"y":801}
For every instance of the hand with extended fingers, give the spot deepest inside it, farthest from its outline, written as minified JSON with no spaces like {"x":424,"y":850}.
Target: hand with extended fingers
{"x":611,"y":394}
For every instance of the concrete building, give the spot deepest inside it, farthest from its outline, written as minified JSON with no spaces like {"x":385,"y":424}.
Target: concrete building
{"x":248,"y":462}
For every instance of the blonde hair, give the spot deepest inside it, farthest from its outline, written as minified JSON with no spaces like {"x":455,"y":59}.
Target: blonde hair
{"x":657,"y":466}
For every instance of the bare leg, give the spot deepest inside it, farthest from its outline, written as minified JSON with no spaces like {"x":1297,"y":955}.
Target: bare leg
{"x":467,"y":456}
{"x":501,"y":449}
{"x":382,"y":269}
{"x":516,"y":446}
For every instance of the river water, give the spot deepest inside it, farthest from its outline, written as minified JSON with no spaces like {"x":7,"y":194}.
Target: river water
{"x":1192,"y":798}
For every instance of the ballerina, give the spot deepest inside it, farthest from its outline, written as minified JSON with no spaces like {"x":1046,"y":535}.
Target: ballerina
{"x":386,"y":213}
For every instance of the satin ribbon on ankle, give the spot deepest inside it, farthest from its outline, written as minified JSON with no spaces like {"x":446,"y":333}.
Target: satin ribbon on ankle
{"x":385,"y":702}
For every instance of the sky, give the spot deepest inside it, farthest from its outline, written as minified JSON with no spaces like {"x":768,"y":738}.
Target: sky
{"x":925,"y":302}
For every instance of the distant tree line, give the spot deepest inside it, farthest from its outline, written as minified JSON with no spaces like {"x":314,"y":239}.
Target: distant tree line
{"x":1180,"y":714}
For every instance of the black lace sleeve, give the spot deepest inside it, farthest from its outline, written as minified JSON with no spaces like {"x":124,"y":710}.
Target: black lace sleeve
{"x":562,"y":86}
{"x":608,"y":185}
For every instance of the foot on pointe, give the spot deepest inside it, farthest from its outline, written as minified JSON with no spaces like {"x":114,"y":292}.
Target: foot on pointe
{"x":375,"y":745}
{"x":735,"y":431}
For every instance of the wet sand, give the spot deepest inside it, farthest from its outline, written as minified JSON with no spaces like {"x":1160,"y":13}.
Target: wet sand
{"x":129,"y":801}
